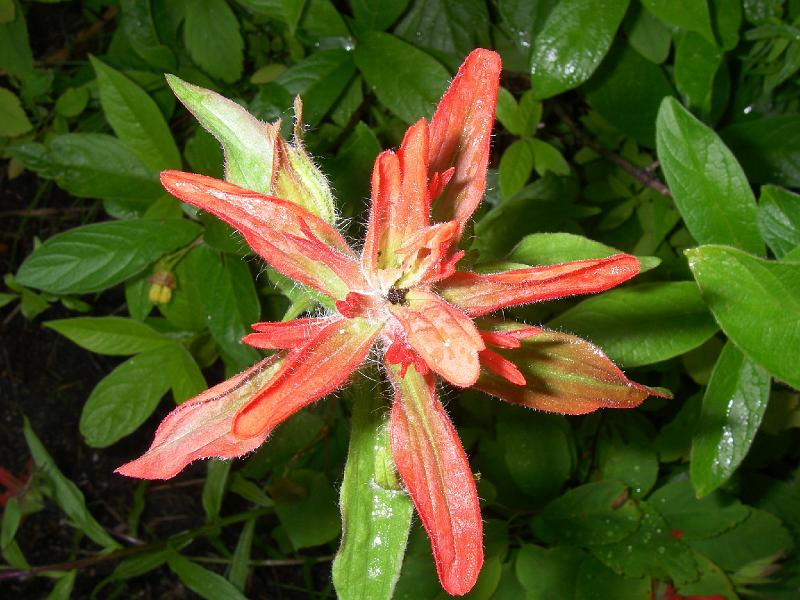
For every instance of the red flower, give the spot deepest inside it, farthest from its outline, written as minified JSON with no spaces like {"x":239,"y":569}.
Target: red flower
{"x":403,"y":294}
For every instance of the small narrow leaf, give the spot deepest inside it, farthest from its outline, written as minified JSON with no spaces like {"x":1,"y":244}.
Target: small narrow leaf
{"x":205,"y":583}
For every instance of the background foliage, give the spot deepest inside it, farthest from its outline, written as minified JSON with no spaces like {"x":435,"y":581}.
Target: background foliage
{"x":664,"y":128}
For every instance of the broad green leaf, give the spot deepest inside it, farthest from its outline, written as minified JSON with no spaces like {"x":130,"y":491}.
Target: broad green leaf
{"x":697,"y":518}
{"x":230,"y":301}
{"x":214,"y":487}
{"x":594,"y":581}
{"x":627,"y":90}
{"x":556,"y":248}
{"x":624,"y":451}
{"x":306,"y":507}
{"x":727,"y":19}
{"x":406,"y":80}
{"x":186,"y":377}
{"x":446,"y":30}
{"x":691,"y":15}
{"x":139,"y":26}
{"x":206,"y":584}
{"x":246,"y":141}
{"x":779,"y":219}
{"x":376,"y":512}
{"x":126,"y":397}
{"x":648,"y":36}
{"x":650,"y":551}
{"x":549,"y":573}
{"x":768,"y":148}
{"x":7,"y":299}
{"x":760,"y":536}
{"x":116,"y":336}
{"x":16,"y":57}
{"x":708,"y":185}
{"x":539,"y":451}
{"x":377,"y":15}
{"x":756,"y":302}
{"x":320,"y":79}
{"x":94,"y":257}
{"x":212,"y":37}
{"x":696,"y":63}
{"x":595,"y":513}
{"x":733,"y":405}
{"x":642,"y":324}
{"x":136,"y":119}
{"x":13,"y":120}
{"x":712,"y":581}
{"x":516,"y":166}
{"x":350,"y":170}
{"x":572,"y":42}
{"x":65,"y":493}
{"x":72,"y":102}
{"x":548,"y":159}
{"x":240,"y":561}
{"x":92,"y":165}
{"x":322,"y":19}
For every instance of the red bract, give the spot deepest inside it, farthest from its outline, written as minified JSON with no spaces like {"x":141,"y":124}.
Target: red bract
{"x":403,"y":294}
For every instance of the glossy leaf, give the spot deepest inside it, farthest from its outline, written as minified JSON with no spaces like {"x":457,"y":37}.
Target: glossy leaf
{"x":92,"y":165}
{"x":516,"y":166}
{"x":768,"y":148}
{"x":707,"y":183}
{"x":13,"y":120}
{"x":206,"y":584}
{"x":649,"y":36}
{"x":94,"y":257}
{"x":779,"y":219}
{"x":306,"y":507}
{"x":733,"y":406}
{"x":377,"y":14}
{"x":116,"y":336}
{"x":406,"y":80}
{"x":756,"y":303}
{"x":136,"y":119}
{"x":591,"y":514}
{"x":376,"y":512}
{"x":696,"y":64}
{"x":691,"y":15}
{"x":138,"y":23}
{"x":64,"y":492}
{"x":572,"y":42}
{"x":642,"y":324}
{"x":211,"y":33}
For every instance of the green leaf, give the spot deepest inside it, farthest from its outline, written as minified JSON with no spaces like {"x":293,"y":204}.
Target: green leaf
{"x":556,"y":248}
{"x":306,"y":507}
{"x":548,"y":159}
{"x":572,"y":42}
{"x":595,"y":580}
{"x":761,"y":535}
{"x":595,"y":513}
{"x":624,"y":451}
{"x":377,"y":14}
{"x":733,"y":406}
{"x":136,"y":119}
{"x":116,"y":336}
{"x":201,"y":581}
{"x":406,"y":80}
{"x":757,"y":303}
{"x":94,"y":257}
{"x":320,"y":79}
{"x":627,"y":90}
{"x":212,"y":37}
{"x":708,"y":185}
{"x":7,"y":299}
{"x":768,"y":148}
{"x":696,"y":63}
{"x":92,"y":165}
{"x":230,"y":301}
{"x":72,"y":102}
{"x":779,"y":219}
{"x":187,"y":380}
{"x":376,"y":512}
{"x":697,"y":518}
{"x":516,"y":166}
{"x":126,"y":397}
{"x":691,"y":15}
{"x":446,"y":30}
{"x":549,"y":573}
{"x":214,"y":487}
{"x":140,"y":564}
{"x":138,"y":23}
{"x":62,"y":590}
{"x":642,"y":324}
{"x":539,"y":451}
{"x":12,"y":517}
{"x":16,"y":57}
{"x":13,"y":120}
{"x":647,"y":35}
{"x":240,"y":561}
{"x":65,"y":493}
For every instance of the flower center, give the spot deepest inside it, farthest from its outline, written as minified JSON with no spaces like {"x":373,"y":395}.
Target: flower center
{"x":397,"y":295}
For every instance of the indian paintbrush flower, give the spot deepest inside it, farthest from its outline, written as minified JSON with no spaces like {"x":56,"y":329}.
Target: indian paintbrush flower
{"x":405,"y":295}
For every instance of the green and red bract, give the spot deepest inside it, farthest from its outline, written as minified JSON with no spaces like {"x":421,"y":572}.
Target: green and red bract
{"x":404,"y":295}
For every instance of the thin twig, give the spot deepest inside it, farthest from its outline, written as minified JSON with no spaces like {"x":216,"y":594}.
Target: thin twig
{"x":643,"y":176}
